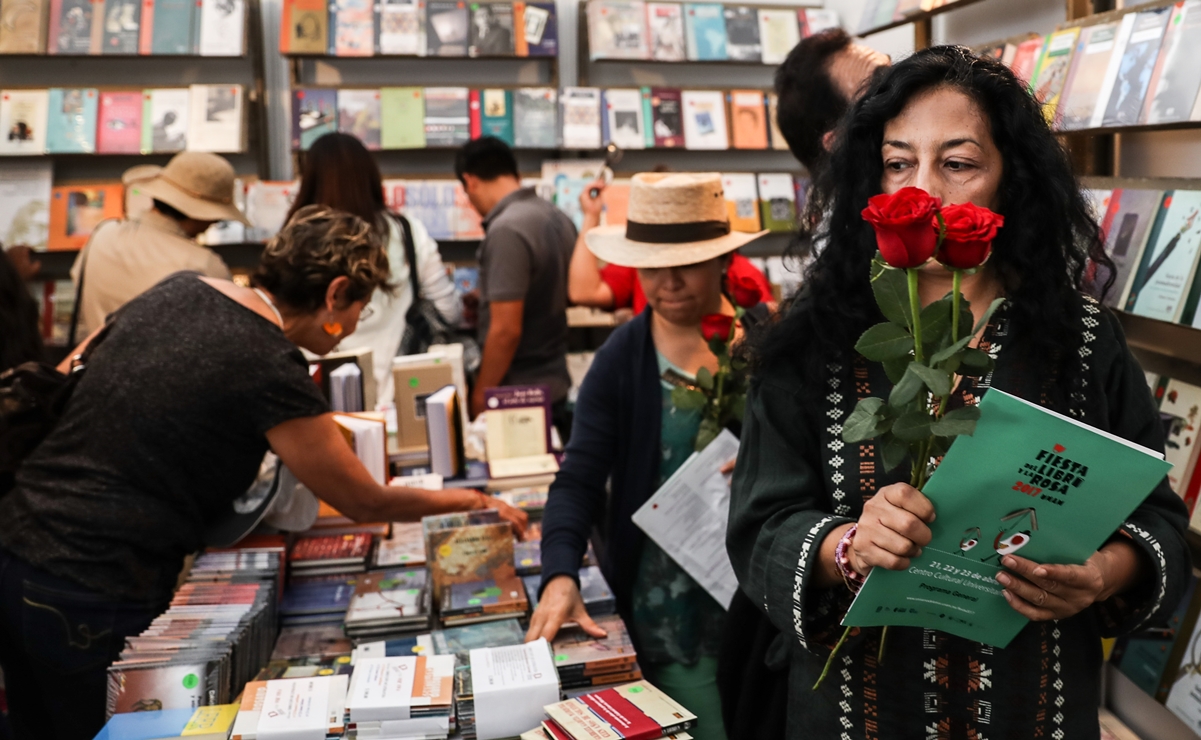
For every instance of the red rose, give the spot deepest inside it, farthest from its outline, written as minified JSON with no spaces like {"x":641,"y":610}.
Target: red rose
{"x":746,"y":292}
{"x":716,"y":326}
{"x":906,"y":230}
{"x":969,"y":236}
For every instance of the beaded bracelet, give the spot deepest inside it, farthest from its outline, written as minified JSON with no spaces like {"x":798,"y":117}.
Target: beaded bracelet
{"x":843,"y":560}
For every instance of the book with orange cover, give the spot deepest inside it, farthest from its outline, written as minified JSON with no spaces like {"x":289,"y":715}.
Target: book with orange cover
{"x":748,"y":119}
{"x":76,"y":210}
{"x":305,"y":27}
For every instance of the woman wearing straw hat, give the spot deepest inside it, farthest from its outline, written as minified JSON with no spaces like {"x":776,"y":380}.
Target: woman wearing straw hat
{"x":125,"y":258}
{"x":626,"y":429}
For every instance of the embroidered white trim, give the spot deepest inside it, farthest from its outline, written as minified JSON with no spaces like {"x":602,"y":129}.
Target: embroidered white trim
{"x":1162,"y":564}
{"x":798,"y":586}
{"x":836,"y":412}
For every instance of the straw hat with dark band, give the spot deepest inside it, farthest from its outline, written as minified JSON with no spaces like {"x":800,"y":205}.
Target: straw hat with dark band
{"x":197,"y":184}
{"x":673,"y":219}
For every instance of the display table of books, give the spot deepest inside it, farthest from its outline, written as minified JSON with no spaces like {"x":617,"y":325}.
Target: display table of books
{"x":390,"y":631}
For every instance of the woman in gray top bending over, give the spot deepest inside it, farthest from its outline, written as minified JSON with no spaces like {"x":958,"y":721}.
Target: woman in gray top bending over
{"x":192,"y":384}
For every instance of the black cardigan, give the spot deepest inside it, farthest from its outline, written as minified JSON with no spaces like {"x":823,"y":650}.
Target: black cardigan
{"x":615,"y":436}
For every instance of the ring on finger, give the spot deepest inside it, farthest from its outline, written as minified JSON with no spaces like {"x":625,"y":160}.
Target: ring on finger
{"x":1042,"y":598}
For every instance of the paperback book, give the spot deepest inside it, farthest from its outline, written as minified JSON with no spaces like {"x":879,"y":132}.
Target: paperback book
{"x":1075,"y":487}
{"x":1164,"y":275}
{"x":779,"y":33}
{"x":668,"y":121}
{"x":352,"y":28}
{"x":305,"y":27}
{"x":314,"y":114}
{"x":1053,"y":70}
{"x":538,"y":29}
{"x":446,"y":116}
{"x":165,"y":119}
{"x":71,"y":23}
{"x":617,"y":29}
{"x":491,"y":32}
{"x":704,"y":114}
{"x":402,"y":118}
{"x":216,"y":119}
{"x":665,"y":24}
{"x":742,"y":201}
{"x":71,"y":120}
{"x":748,"y":119}
{"x":25,"y":188}
{"x":222,"y":28}
{"x":535,"y":117}
{"x":624,"y":124}
{"x":76,"y":211}
{"x":742,"y":33}
{"x":359,"y":115}
{"x":1083,"y":86}
{"x":1125,"y":227}
{"x":122,"y":21}
{"x":483,"y":601}
{"x":705,"y":32}
{"x":446,"y":28}
{"x":400,"y":28}
{"x":119,"y":128}
{"x":1171,"y":98}
{"x":581,"y":108}
{"x":777,"y":202}
{"x":1138,"y":59}
{"x":496,"y":114}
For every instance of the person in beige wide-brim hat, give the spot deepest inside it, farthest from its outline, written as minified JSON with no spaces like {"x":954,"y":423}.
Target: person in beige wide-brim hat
{"x":673,"y":219}
{"x":629,"y":431}
{"x":166,"y":209}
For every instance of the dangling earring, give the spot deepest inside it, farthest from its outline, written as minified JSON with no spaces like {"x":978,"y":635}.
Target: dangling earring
{"x":332,"y":328}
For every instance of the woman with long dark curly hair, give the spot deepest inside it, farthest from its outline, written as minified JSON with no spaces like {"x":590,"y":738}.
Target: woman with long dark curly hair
{"x":966,"y":130}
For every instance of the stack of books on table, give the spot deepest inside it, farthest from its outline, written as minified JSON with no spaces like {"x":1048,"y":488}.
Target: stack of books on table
{"x":457,"y":642}
{"x":404,"y":548}
{"x":401,"y":697}
{"x":330,"y":554}
{"x":594,"y":589}
{"x":585,"y":661}
{"x":310,"y":707}
{"x":389,"y":603}
{"x":216,"y":634}
{"x":309,"y":650}
{"x":483,"y":601}
{"x":317,"y":600}
{"x":614,"y":712}
{"x":504,"y":689}
{"x":204,"y":723}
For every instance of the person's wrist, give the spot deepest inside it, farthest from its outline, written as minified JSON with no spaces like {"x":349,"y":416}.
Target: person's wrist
{"x":843,"y":553}
{"x":1119,"y":564}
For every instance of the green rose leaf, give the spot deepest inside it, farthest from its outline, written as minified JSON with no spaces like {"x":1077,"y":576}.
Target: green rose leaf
{"x":906,"y":390}
{"x":937,"y":381}
{"x":893,"y":453}
{"x":704,"y":378}
{"x":717,"y":345}
{"x":959,"y":421}
{"x":895,"y":368}
{"x":975,"y":362}
{"x":687,"y":400}
{"x":707,"y":432}
{"x":884,"y":342}
{"x":947,"y":353}
{"x":891,"y":288}
{"x":992,"y":307}
{"x":936,"y":323}
{"x":913,"y":426}
{"x":866,"y":421}
{"x":940,"y":445}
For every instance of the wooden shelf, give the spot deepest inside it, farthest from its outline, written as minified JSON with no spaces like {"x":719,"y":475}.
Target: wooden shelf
{"x":1163,"y":347}
{"x":495,"y":57}
{"x":918,"y":17}
{"x":687,"y":62}
{"x":1135,"y":129}
{"x":188,"y":57}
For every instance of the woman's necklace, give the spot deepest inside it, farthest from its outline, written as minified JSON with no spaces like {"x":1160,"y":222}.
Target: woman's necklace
{"x":270,"y":304}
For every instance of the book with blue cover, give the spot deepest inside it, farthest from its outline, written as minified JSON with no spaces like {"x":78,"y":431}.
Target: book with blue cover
{"x":1134,"y":71}
{"x":541,"y":29}
{"x":316,"y":599}
{"x":705,"y":32}
{"x":173,"y":21}
{"x":71,"y":120}
{"x":122,"y":23}
{"x":496,"y":114}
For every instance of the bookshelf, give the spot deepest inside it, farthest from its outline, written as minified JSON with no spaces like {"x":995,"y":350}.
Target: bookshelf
{"x":920,"y":20}
{"x":137,"y":72}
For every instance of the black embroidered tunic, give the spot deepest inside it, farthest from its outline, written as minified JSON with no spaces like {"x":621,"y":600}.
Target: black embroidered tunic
{"x":796,"y":480}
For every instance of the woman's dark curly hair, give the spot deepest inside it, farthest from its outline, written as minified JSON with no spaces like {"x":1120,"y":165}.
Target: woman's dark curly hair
{"x":1041,"y":256}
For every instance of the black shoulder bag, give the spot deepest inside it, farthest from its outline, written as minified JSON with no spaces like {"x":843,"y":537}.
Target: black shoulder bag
{"x":33,"y":396}
{"x":424,"y":325}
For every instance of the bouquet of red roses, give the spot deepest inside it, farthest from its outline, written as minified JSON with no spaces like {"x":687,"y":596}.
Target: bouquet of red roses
{"x":921,"y":349}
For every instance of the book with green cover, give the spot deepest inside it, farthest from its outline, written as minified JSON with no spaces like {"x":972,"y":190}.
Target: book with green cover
{"x":648,"y":115}
{"x":496,"y":114}
{"x":1028,"y":480}
{"x":402,"y":118}
{"x":173,"y":21}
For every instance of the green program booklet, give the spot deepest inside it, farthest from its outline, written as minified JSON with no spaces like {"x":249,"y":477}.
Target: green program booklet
{"x":1029,"y":481}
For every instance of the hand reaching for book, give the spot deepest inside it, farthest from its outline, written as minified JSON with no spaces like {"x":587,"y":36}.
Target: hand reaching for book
{"x":1042,"y":592}
{"x":511,"y":514}
{"x":560,"y":603}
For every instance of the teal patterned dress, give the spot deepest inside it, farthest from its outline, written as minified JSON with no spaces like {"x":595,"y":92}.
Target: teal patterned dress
{"x":677,"y":623}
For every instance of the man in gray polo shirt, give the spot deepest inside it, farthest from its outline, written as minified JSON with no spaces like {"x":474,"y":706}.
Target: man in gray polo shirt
{"x":524,"y":259}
